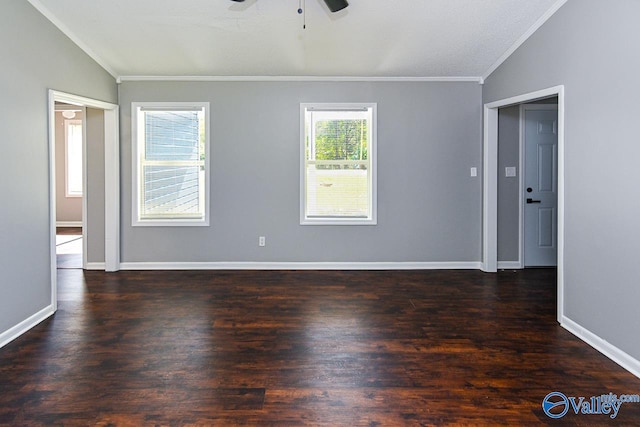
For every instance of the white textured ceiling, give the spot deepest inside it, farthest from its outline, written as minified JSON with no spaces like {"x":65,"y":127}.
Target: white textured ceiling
{"x":370,"y":38}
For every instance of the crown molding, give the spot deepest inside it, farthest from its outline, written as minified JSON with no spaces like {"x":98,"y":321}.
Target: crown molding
{"x":121,"y":79}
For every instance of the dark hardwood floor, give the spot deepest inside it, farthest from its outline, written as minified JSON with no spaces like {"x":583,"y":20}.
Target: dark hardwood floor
{"x":303,"y":348}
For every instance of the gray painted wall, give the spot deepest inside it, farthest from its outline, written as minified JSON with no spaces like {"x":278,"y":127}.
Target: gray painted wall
{"x":588,"y":47}
{"x":67,"y":208}
{"x":508,"y":188}
{"x":95,"y":188}
{"x":429,"y":208}
{"x":36,"y":57}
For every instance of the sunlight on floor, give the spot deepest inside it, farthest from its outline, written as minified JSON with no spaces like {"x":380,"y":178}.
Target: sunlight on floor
{"x":69,"y":249}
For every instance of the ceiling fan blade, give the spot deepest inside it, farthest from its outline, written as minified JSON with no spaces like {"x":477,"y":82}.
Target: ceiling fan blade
{"x":336,"y":5}
{"x":333,"y":5}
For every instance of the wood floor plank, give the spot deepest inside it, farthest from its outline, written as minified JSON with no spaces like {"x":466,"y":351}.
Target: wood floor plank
{"x":327,"y":348}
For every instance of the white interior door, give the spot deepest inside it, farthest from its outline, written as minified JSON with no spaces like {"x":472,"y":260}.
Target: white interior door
{"x":540,"y":186}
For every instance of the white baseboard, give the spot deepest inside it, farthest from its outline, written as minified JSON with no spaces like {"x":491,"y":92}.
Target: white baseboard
{"x":612,"y":352}
{"x":300,"y":265}
{"x":95,"y":266}
{"x":509,"y":265}
{"x":68,"y":223}
{"x":12,"y":333}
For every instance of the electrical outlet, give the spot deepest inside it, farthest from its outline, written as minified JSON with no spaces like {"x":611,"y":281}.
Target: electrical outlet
{"x":262,"y":241}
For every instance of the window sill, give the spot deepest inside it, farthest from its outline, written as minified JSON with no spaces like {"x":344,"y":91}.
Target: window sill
{"x":170,"y":223}
{"x":336,"y":221}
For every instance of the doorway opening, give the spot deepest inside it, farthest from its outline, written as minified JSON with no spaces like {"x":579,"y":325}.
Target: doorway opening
{"x":490,"y":183}
{"x":527,"y":184}
{"x":70,"y":143}
{"x":103,"y":186}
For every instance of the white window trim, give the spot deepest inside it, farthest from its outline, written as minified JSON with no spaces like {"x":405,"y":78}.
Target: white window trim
{"x":373,"y":158}
{"x":136,"y":136}
{"x":67,"y":166}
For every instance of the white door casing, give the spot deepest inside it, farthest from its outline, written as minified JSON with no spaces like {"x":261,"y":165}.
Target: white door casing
{"x":112,"y":187}
{"x":490,"y":188}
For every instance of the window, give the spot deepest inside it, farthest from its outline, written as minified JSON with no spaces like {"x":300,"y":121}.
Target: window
{"x":338,"y":181}
{"x":73,"y":157}
{"x":170,"y":170}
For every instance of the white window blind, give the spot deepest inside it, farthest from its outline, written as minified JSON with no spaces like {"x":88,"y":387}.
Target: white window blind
{"x":338,"y":168}
{"x":171,"y":164}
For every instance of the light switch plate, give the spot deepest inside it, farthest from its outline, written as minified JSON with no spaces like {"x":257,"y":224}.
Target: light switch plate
{"x":474,"y":171}
{"x":510,"y":171}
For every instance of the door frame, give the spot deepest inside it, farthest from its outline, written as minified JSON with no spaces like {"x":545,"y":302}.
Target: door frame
{"x":490,"y":182}
{"x":522,"y":166}
{"x":111,"y":181}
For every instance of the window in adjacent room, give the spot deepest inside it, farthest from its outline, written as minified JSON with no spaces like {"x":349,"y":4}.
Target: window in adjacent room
{"x":73,"y":157}
{"x":170,"y":166}
{"x":338,"y":181}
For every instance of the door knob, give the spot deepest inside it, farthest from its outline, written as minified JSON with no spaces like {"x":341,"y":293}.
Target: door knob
{"x":529,"y":200}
